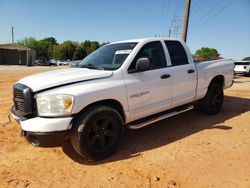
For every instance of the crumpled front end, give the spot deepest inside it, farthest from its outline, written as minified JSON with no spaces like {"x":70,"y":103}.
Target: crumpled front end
{"x":39,"y":131}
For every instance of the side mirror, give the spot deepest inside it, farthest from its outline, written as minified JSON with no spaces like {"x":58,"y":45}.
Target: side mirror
{"x":142,"y":64}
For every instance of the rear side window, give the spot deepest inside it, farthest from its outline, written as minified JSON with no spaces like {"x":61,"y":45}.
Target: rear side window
{"x":155,"y":53}
{"x":177,"y":53}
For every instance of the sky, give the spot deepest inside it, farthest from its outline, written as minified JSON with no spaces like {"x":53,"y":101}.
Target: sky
{"x":220,"y":24}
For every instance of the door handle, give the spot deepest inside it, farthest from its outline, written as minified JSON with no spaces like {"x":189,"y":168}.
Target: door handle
{"x":164,"y":76}
{"x":190,"y":71}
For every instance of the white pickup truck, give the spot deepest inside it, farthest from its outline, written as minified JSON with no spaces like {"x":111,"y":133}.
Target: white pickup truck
{"x":242,"y":67}
{"x":123,"y":84}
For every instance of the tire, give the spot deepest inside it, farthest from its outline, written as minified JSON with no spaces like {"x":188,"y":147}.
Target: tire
{"x":97,"y":132}
{"x":212,"y":102}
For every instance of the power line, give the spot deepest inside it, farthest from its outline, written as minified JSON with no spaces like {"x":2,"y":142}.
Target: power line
{"x":201,"y":7}
{"x":177,"y":6}
{"x":213,"y":16}
{"x":162,"y":14}
{"x":166,"y":15}
{"x":197,"y":6}
{"x":208,"y":12}
{"x":194,"y":6}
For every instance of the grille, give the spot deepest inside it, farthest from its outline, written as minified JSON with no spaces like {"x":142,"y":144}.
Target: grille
{"x":19,"y":101}
{"x":22,"y":99}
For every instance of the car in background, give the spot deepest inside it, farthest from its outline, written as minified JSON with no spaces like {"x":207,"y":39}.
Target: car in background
{"x":62,"y":62}
{"x":73,"y":64}
{"x":242,"y":67}
{"x":52,"y":62}
{"x":42,"y":62}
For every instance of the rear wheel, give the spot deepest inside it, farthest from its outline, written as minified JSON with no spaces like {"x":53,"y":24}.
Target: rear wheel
{"x":213,"y":101}
{"x":97,"y":132}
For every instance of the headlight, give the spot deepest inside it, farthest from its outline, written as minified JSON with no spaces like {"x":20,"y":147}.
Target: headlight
{"x":54,"y":105}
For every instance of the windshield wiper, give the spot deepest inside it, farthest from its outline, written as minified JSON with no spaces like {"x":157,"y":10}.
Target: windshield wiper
{"x":92,"y":66}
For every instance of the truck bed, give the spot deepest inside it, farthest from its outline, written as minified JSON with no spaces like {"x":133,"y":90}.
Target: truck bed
{"x":208,"y":69}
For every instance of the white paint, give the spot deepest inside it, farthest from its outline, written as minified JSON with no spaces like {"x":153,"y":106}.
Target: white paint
{"x":39,"y":124}
{"x":62,"y":76}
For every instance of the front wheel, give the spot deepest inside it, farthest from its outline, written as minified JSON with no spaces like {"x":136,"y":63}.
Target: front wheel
{"x":97,"y":132}
{"x":213,"y":100}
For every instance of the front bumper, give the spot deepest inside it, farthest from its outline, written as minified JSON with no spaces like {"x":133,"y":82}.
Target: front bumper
{"x":41,"y":131}
{"x":241,"y":71}
{"x":40,"y":124}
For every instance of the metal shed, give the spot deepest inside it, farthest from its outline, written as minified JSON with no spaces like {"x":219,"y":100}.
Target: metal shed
{"x":13,"y":54}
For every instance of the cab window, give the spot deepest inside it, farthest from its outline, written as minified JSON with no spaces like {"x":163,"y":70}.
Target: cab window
{"x":177,"y":53}
{"x":154,"y":52}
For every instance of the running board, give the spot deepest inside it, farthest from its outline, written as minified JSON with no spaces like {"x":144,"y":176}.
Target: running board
{"x":138,"y":125}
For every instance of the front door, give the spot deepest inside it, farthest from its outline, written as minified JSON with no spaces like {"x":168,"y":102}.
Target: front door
{"x":149,"y":91}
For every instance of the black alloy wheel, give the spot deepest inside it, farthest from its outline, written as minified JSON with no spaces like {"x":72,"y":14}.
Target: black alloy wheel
{"x":97,"y":132}
{"x":102,"y":134}
{"x":212,"y":102}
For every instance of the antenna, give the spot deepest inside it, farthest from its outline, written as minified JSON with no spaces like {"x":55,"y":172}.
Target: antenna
{"x":12,"y":34}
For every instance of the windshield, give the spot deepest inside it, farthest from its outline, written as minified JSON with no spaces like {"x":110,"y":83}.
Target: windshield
{"x":108,"y":57}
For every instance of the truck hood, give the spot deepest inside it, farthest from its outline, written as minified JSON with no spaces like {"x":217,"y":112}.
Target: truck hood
{"x":55,"y":78}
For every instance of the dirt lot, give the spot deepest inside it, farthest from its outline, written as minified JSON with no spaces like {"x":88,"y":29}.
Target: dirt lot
{"x":189,"y":150}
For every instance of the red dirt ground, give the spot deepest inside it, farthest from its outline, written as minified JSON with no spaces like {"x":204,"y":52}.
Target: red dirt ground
{"x":189,"y":150}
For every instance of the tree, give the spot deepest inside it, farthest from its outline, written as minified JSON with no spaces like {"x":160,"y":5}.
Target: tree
{"x":85,"y":48}
{"x":207,"y":53}
{"x":65,"y":50}
{"x":90,"y":46}
{"x":246,"y":59}
{"x":45,"y":47}
{"x":79,"y":53}
{"x":29,"y":42}
{"x":49,"y":48}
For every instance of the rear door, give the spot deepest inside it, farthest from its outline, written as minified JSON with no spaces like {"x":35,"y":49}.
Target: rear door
{"x":149,"y":91}
{"x":183,"y":74}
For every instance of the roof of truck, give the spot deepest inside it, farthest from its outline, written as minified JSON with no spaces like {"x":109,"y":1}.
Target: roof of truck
{"x":148,"y":39}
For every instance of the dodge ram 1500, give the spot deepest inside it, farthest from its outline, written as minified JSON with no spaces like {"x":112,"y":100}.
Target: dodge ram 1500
{"x":130,"y":84}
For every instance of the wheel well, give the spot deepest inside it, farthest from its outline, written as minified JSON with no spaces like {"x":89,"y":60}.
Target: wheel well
{"x":217,"y":80}
{"x":111,"y":103}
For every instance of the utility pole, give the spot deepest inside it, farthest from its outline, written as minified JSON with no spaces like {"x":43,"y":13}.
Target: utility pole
{"x":185,"y":20}
{"x":12,"y":34}
{"x":174,"y":27}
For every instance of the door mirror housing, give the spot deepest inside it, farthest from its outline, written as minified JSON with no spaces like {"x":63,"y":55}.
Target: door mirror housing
{"x":142,"y":64}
